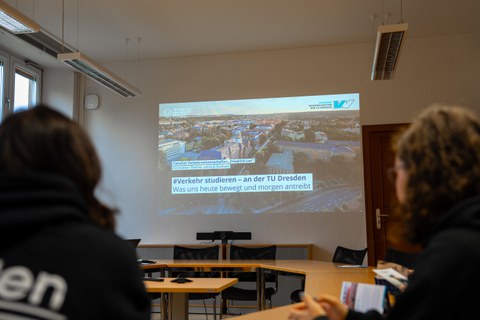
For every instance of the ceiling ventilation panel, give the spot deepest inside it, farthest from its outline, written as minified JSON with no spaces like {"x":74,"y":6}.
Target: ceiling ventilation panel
{"x":46,"y":42}
{"x":387,"y":50}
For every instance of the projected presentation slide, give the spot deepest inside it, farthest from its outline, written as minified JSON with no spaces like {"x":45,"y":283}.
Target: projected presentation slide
{"x":256,"y":156}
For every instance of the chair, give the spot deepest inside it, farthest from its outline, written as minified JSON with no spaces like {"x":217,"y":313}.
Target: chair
{"x":349,"y":256}
{"x":341,"y":255}
{"x":405,"y":259}
{"x":241,"y":294}
{"x":133,"y":242}
{"x":209,"y":253}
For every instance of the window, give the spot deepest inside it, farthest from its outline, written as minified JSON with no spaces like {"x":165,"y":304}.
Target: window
{"x":19,"y":85}
{"x":25,"y":90}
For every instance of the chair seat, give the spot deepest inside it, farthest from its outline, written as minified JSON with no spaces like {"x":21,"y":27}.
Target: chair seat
{"x":240,"y":294}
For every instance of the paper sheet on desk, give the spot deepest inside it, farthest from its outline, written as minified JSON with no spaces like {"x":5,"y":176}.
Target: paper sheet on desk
{"x":350,"y":266}
{"x":392,"y":276}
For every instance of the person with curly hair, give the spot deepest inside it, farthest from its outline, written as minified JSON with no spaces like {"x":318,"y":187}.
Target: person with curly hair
{"x":437,"y":183}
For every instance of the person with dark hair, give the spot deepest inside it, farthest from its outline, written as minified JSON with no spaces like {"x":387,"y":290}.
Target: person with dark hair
{"x":437,"y":184}
{"x":59,"y":256}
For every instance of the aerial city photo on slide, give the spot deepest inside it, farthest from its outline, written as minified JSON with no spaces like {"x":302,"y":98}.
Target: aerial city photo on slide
{"x":271,"y":155}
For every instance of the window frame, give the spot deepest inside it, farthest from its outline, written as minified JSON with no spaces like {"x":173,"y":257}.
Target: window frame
{"x":26,"y":71}
{"x":4,"y":89}
{"x":12,"y":63}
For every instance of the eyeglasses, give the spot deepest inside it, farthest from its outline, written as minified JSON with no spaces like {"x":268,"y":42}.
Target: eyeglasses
{"x":393,"y":171}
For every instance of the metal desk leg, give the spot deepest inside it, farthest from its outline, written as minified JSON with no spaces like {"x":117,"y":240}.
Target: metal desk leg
{"x":164,"y":306}
{"x":178,"y":306}
{"x":260,"y":289}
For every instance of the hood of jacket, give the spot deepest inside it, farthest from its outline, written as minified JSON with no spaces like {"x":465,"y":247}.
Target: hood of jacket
{"x":31,"y":201}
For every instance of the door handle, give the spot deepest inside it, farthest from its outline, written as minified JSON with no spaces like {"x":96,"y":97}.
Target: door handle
{"x":8,"y":103}
{"x":378,"y":218}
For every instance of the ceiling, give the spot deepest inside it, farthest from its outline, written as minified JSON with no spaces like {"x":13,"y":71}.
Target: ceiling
{"x":120,"y":30}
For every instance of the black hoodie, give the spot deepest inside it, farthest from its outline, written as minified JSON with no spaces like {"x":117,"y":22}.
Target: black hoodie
{"x":446,"y":282}
{"x":55,"y":263}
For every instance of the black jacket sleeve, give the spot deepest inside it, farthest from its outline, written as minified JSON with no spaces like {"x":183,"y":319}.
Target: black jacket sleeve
{"x":370,"y":315}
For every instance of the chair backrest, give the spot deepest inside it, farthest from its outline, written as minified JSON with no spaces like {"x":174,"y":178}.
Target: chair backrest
{"x":349,"y":256}
{"x":402,"y":258}
{"x":185,"y":253}
{"x":133,"y":242}
{"x":259,"y":253}
{"x":207,"y":253}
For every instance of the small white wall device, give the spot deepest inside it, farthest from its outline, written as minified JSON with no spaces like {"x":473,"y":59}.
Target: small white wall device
{"x":91,"y":102}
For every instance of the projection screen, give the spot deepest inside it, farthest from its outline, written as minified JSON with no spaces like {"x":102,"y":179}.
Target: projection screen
{"x":260,"y":156}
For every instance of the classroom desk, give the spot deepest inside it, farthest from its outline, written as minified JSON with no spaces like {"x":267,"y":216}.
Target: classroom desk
{"x":320,"y":276}
{"x":207,"y":265}
{"x":324,"y":281}
{"x":175,"y":303}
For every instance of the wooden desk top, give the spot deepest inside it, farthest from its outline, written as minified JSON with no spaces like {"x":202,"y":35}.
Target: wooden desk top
{"x":307,"y":266}
{"x":198,"y":285}
{"x":321,"y":276}
{"x":157,"y":265}
{"x":317,"y":283}
{"x":210,"y":263}
{"x":275,"y":313}
{"x":293,"y":266}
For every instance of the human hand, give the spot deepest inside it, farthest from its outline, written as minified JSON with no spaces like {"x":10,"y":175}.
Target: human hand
{"x":309,"y":309}
{"x":335,"y":309}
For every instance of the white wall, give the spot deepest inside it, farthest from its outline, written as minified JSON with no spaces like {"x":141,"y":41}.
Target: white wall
{"x":125,"y":130}
{"x":58,"y":85}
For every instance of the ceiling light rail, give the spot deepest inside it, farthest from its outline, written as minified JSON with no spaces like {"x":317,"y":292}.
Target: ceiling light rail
{"x":16,"y":22}
{"x":80,"y":62}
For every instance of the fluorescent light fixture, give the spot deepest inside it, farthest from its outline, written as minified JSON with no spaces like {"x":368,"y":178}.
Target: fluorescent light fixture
{"x":91,"y":69}
{"x":387,"y":50}
{"x":15,"y":21}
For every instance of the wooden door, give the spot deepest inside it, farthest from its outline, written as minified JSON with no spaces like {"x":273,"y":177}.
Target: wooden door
{"x":380,"y":198}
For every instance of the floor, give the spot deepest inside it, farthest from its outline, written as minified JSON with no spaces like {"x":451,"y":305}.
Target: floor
{"x":156,"y":316}
{"x":199,"y":315}
{"x":197,"y":312}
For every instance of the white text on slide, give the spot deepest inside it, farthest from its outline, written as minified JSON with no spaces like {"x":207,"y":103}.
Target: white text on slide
{"x":208,"y":164}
